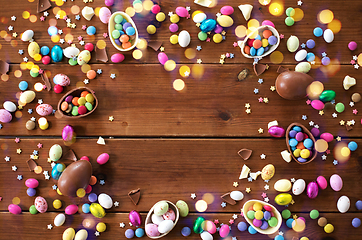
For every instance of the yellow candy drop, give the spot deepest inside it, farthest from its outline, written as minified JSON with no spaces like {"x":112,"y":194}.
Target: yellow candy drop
{"x":57,"y":204}
{"x":174,"y":39}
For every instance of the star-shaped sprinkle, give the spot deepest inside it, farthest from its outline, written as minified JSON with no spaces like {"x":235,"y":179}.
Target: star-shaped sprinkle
{"x":250,"y":179}
{"x":355,"y":57}
{"x":335,"y":162}
{"x":11,"y":28}
{"x":247,"y":105}
{"x":281,"y":233}
{"x":42,"y":18}
{"x":266,"y":199}
{"x":324,"y":54}
{"x":21,"y":51}
{"x":266,"y":187}
{"x":30,"y":111}
{"x":102,"y":182}
{"x":199,"y":61}
{"x":218,"y":14}
{"x":299,"y":3}
{"x":341,"y":122}
{"x":334,"y":115}
{"x":50,"y":226}
{"x":232,"y":55}
{"x":53,"y":164}
{"x":352,"y":62}
{"x":1,"y":126}
{"x":260,"y":81}
{"x":13,"y":18}
{"x":231,"y":221}
{"x":248,"y":111}
{"x":15,"y":34}
{"x":39,"y":145}
{"x":110,"y":118}
{"x":14,"y":168}
{"x":260,"y":130}
{"x":295,"y":216}
{"x":61,"y":41}
{"x":198,"y":48}
{"x":54,"y":187}
{"x":96,"y":233}
{"x":311,"y":123}
{"x":170,"y":14}
{"x":113,"y":76}
{"x":7,"y":159}
{"x":263,"y":156}
{"x":302,"y":45}
{"x":353,"y":122}
{"x":266,"y":100}
{"x":234,"y":238}
{"x":235,"y":216}
{"x":45,"y":173}
{"x":281,"y":36}
{"x":18,"y":151}
{"x":86,"y":81}
{"x":308,"y":102}
{"x":105,"y":35}
{"x":77,"y":17}
{"x":40,"y":101}
{"x":356,"y":66}
{"x":20,"y":177}
{"x":248,"y":190}
{"x":116,"y":203}
{"x":255,"y":61}
{"x":221,"y":61}
{"x":321,"y":112}
{"x":235,"y":184}
{"x":263,"y":195}
{"x":47,"y":177}
{"x":256,"y":91}
{"x":260,"y":99}
{"x":122,"y":225}
{"x":162,"y":48}
{"x":272,"y":88}
{"x":216,"y":221}
{"x":193,"y":195}
{"x":25,"y":59}
{"x":99,"y":71}
{"x":223,"y":204}
{"x":304,"y":117}
{"x":355,"y":111}
{"x":267,"y":181}
{"x":338,"y":138}
{"x":324,"y":157}
{"x":292,"y":180}
{"x":351,"y":104}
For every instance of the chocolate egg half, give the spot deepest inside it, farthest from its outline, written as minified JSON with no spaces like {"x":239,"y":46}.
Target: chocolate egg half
{"x":292,"y":85}
{"x":75,"y":176}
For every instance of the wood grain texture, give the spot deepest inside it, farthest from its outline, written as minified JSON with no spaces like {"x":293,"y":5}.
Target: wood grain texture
{"x":29,"y":225}
{"x":147,"y":105}
{"x":173,"y":169}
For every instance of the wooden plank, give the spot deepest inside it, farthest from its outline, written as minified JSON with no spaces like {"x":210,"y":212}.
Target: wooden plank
{"x":211,"y":52}
{"x":173,"y":169}
{"x":35,"y":226}
{"x":147,"y":105}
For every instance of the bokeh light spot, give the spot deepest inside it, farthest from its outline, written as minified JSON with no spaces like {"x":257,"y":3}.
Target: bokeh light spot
{"x":201,"y":206}
{"x":276,"y":57}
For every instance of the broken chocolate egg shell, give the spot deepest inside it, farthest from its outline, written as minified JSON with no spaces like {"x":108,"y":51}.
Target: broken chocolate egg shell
{"x":292,"y":85}
{"x":310,"y":135}
{"x":76,"y":175}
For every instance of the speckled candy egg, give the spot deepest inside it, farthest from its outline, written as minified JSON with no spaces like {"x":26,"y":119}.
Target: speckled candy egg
{"x":104,"y":14}
{"x":105,"y":200}
{"x":336,"y":182}
{"x":84,"y":57}
{"x":27,"y":96}
{"x":225,"y":21}
{"x":169,"y":215}
{"x":5,"y":116}
{"x":9,"y":106}
{"x":44,"y":109}
{"x":152,"y":230}
{"x":68,"y":234}
{"x":33,"y":49}
{"x":165,"y":226}
{"x":267,"y":172}
{"x":183,"y":208}
{"x":41,"y":204}
{"x":61,"y":79}
{"x":55,"y":152}
{"x":71,"y":52}
{"x":160,"y":208}
{"x":298,"y":187}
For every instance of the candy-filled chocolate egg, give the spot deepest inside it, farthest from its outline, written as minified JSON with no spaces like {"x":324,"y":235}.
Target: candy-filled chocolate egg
{"x":292,"y":85}
{"x":75,"y":176}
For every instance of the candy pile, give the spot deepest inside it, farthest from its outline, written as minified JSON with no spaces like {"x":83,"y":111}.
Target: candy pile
{"x":123,"y":32}
{"x":261,"y":41}
{"x":301,"y":144}
{"x":262,"y":216}
{"x":74,"y":105}
{"x":161,"y":219}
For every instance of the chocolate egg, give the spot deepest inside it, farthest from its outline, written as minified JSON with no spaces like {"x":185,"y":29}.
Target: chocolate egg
{"x":292,"y":85}
{"x":75,"y":176}
{"x":312,"y":190}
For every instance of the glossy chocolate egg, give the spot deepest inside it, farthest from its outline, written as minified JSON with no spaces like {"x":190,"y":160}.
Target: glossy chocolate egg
{"x":135,"y":218}
{"x":292,"y":85}
{"x":312,"y":190}
{"x":75,"y":176}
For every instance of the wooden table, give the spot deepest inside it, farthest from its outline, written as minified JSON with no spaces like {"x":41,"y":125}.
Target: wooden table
{"x":171,"y":144}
